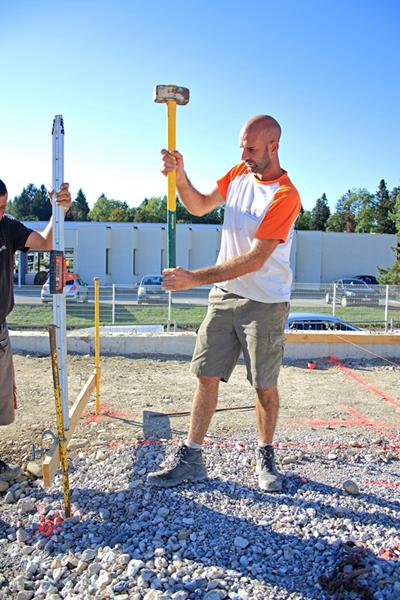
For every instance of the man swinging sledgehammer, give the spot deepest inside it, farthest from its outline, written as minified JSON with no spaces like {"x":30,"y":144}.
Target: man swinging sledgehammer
{"x":249,"y":302}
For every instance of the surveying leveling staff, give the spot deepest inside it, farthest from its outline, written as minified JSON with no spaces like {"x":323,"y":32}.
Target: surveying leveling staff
{"x":15,"y":236}
{"x":249,"y":305}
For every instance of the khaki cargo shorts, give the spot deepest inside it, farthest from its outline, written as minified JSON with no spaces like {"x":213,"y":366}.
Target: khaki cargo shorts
{"x":6,"y":378}
{"x":234,"y":324}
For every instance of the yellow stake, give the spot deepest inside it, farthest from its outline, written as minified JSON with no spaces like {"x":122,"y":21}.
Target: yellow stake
{"x":97,"y":340}
{"x":62,"y":446}
{"x":171,"y":129}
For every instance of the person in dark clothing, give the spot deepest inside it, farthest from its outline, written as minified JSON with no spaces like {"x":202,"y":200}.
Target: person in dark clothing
{"x":15,"y":236}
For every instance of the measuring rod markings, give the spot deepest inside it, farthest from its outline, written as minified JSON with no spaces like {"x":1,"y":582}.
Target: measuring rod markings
{"x":59,"y":306}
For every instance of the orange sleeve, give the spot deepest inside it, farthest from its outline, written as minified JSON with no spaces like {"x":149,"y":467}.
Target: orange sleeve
{"x":224,"y":182}
{"x":281,"y":215}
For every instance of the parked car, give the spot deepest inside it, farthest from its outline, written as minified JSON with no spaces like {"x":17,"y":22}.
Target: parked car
{"x":75,"y":289}
{"x":304,"y":321}
{"x":353,"y":291}
{"x":368,"y":279}
{"x":150,"y":290}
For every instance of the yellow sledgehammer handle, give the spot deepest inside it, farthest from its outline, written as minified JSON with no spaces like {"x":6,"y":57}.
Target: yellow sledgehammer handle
{"x":171,"y":135}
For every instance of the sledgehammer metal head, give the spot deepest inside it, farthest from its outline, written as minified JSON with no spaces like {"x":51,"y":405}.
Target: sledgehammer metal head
{"x":163,"y":93}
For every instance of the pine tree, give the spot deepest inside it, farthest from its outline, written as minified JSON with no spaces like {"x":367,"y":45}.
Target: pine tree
{"x":79,"y":210}
{"x":41,"y":205}
{"x":320,"y":214}
{"x":395,"y":214}
{"x":384,"y":207}
{"x":391,"y":275}
{"x":33,"y":204}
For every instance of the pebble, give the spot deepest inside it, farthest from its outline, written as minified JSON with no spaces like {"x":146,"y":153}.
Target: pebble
{"x":289,"y":460}
{"x":4,"y":485}
{"x":22,"y":535}
{"x":25,"y":595}
{"x":88,"y":555}
{"x":351,"y":487}
{"x":34,"y":469}
{"x":240,"y":542}
{"x":27,"y":505}
{"x":9,"y":498}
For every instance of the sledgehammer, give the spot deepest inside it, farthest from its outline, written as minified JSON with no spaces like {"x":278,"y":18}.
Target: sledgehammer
{"x":171,"y":95}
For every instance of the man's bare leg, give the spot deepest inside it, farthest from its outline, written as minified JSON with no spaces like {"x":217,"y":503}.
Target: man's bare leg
{"x":189,"y":465}
{"x":203,"y":408}
{"x":267,"y":409}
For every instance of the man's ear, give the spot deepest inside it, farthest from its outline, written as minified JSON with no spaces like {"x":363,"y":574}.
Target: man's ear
{"x":274,"y":147}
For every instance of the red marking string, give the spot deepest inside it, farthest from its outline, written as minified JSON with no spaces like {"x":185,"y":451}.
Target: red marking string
{"x":376,"y":391}
{"x":378,"y":427}
{"x":366,"y":350}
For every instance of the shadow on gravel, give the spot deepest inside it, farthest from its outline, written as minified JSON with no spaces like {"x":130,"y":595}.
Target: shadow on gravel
{"x":204,"y":523}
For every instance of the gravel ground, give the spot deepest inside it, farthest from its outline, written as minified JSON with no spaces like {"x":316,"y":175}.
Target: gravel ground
{"x":223,"y":538}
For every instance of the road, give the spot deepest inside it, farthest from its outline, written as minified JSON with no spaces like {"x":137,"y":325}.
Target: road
{"x":199,"y":297}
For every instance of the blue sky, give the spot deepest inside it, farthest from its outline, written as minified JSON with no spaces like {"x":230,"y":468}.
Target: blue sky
{"x":327,"y":70}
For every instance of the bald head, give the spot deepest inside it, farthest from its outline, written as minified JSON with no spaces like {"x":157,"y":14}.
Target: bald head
{"x":259,"y":140}
{"x":265,"y":125}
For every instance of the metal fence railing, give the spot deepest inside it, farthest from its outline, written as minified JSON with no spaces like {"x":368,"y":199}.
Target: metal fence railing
{"x":376,"y":309}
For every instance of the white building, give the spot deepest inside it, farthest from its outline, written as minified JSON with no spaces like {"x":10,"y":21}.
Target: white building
{"x":122,"y":253}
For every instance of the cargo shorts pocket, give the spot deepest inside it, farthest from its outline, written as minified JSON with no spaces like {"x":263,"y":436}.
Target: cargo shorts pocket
{"x":4,"y":343}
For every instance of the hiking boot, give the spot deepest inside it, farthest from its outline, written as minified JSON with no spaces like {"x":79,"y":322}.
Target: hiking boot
{"x":187,"y":465}
{"x":268,"y":477}
{"x":7,"y":472}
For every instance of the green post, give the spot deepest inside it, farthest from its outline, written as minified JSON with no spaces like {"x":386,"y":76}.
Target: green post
{"x":171,"y":237}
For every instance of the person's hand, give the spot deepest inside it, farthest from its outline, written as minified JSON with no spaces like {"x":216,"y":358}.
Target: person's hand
{"x":171,"y":161}
{"x":63,"y":196}
{"x":178,"y":279}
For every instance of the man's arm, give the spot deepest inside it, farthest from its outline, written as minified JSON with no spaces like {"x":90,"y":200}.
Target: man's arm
{"x":253,"y":260}
{"x":43,"y":240}
{"x":196,"y":203}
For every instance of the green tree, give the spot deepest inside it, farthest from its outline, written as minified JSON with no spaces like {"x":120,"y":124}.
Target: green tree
{"x":391,"y":275}
{"x":364,"y":207}
{"x":351,"y":211}
{"x":303,"y":220}
{"x":320,"y":214}
{"x":154,"y":210}
{"x":32,"y":204}
{"x":107,"y":209}
{"x":384,"y":207}
{"x":41,"y":205}
{"x":336,"y":222}
{"x":79,"y":210}
{"x":395,"y":214}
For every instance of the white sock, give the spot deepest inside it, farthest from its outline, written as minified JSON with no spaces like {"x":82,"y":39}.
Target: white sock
{"x":193,"y":445}
{"x":263,"y":444}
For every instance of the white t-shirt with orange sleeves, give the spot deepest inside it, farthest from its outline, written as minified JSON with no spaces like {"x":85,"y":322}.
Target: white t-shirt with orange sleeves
{"x":258,"y":209}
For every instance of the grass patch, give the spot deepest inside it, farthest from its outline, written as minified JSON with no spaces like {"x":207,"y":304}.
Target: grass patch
{"x":186,"y":316}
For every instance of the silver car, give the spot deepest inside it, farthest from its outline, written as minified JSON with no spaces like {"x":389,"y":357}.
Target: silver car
{"x":75,"y":289}
{"x":150,"y":290}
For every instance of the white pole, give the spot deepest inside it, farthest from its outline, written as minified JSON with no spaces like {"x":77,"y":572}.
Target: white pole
{"x":113,"y":304}
{"x":19,"y":268}
{"x":387,"y":308}
{"x":59,"y":307}
{"x":169,"y":311}
{"x":334,"y":300}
